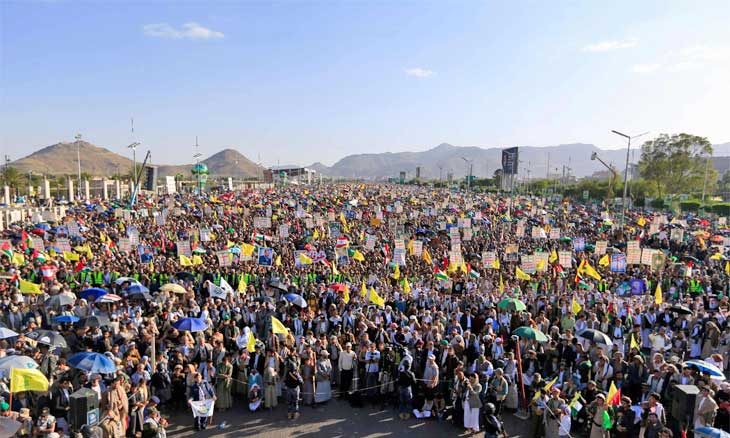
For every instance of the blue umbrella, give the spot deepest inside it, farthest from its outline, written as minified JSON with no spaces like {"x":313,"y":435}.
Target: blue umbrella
{"x":43,"y":226}
{"x":92,"y":363}
{"x":190,"y":324}
{"x":93,"y":294}
{"x":65,"y":319}
{"x":136,"y":289}
{"x":295,"y":299}
{"x":710,"y":432}
{"x":705,"y":367}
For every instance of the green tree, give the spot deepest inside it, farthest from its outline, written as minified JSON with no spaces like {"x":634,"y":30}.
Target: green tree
{"x":11,"y":177}
{"x":677,"y":163}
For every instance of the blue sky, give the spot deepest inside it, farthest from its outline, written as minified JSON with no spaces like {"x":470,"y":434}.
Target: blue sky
{"x":300,"y":81}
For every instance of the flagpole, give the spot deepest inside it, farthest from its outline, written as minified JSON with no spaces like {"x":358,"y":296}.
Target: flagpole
{"x":522,"y":382}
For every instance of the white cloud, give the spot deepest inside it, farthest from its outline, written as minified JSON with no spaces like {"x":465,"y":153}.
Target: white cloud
{"x":645,"y":68}
{"x":419,"y":72}
{"x":191,"y":30}
{"x":607,"y":46}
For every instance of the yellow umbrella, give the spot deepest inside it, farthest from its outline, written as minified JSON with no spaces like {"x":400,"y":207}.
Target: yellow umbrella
{"x":174,"y":288}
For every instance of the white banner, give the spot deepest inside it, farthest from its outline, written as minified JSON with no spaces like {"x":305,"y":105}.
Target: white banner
{"x":202,"y":408}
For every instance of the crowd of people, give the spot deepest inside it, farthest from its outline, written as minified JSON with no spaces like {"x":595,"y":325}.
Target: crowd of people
{"x":440,"y":305}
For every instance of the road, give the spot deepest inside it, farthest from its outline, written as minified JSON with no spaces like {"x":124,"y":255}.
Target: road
{"x":335,"y":419}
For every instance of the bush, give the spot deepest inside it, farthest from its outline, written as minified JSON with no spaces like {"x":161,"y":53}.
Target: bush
{"x":721,"y":209}
{"x":692,"y":206}
{"x":657,"y":203}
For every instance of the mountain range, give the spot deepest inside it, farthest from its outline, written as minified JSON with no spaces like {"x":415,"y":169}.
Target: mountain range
{"x":569,"y":159}
{"x":443,"y":159}
{"x":61,"y":159}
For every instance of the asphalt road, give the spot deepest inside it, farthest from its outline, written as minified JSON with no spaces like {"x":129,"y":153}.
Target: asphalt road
{"x":335,"y":419}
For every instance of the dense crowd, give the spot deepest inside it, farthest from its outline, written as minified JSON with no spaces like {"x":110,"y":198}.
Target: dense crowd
{"x":445,"y":306}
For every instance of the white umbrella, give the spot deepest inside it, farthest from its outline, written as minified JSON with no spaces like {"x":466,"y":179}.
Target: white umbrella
{"x":109,"y":298}
{"x":7,"y":333}
{"x":121,"y":280}
{"x":15,"y":361}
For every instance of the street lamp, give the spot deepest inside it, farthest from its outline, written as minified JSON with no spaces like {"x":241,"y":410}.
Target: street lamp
{"x":133,"y":147}
{"x":626,"y":171}
{"x":469,"y":169}
{"x":78,"y":158}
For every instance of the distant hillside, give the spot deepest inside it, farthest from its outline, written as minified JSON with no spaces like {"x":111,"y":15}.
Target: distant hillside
{"x":228,"y":162}
{"x":573,"y":159}
{"x":61,"y":159}
{"x":446,"y":158}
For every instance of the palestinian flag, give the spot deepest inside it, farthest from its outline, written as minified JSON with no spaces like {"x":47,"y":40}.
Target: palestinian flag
{"x":473,"y":273}
{"x":7,"y":250}
{"x":25,"y":240}
{"x":441,"y":275}
{"x":39,"y":256}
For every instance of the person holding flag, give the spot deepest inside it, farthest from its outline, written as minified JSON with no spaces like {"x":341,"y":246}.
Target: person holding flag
{"x":202,"y":401}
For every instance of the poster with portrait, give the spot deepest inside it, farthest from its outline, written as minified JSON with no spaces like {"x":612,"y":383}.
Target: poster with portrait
{"x":399,"y":256}
{"x":265,"y":256}
{"x":579,"y":244}
{"x":488,"y":258}
{"x":183,"y":248}
{"x":618,"y":262}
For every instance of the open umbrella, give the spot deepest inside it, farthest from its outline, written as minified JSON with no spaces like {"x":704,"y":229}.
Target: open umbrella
{"x":145,"y":296}
{"x":706,"y":367}
{"x":512,"y":305}
{"x":121,"y":280}
{"x":191,"y":324}
{"x":16,"y":361}
{"x":48,"y":337}
{"x":109,"y":298}
{"x":60,"y":300}
{"x":710,"y":432}
{"x":65,"y":319}
{"x":6,"y":333}
{"x":185,"y":276}
{"x":93,"y":294}
{"x":174,"y":288}
{"x":95,"y":321}
{"x":596,"y":336}
{"x":297,"y":300}
{"x":682,"y":310}
{"x":136,"y":288}
{"x":279,"y":285}
{"x":92,"y":362}
{"x":8,"y":426}
{"x":530,"y":333}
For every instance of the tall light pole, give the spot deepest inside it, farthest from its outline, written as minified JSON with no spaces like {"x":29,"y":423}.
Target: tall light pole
{"x":78,"y":158}
{"x":133,"y":147}
{"x":469,"y":169}
{"x":197,"y":156}
{"x":626,"y":171}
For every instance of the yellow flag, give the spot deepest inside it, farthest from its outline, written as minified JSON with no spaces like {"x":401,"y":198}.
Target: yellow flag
{"x":501,"y":283}
{"x":553,"y":256}
{"x":716,"y":256}
{"x":376,"y":299}
{"x":70,"y":256}
{"x":496,"y":264}
{"x":247,"y":249}
{"x":604,"y":261}
{"x":305,"y":259}
{"x":641,"y":222}
{"x":334,"y":268}
{"x":588,"y":270}
{"x":550,"y":384}
{"x":575,"y":307}
{"x":540,"y":265}
{"x":27,"y":379}
{"x":406,"y":286}
{"x":521,"y":275}
{"x":278,"y":327}
{"x":727,"y":268}
{"x":363,"y":290}
{"x":396,"y":272}
{"x":463,"y":268}
{"x":409,"y":247}
{"x":358,"y":256}
{"x":633,"y":343}
{"x":251,"y":344}
{"x":277,"y":262}
{"x":185,"y":260}
{"x":26,"y":287}
{"x":346,"y":294}
{"x":315,"y":235}
{"x":197,"y":260}
{"x":230,"y":244}
{"x":242,"y":285}
{"x":18,"y":259}
{"x":538,"y":394}
{"x":658,"y":298}
{"x":426,"y":256}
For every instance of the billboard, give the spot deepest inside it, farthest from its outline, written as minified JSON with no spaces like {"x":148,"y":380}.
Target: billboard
{"x":510,"y":160}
